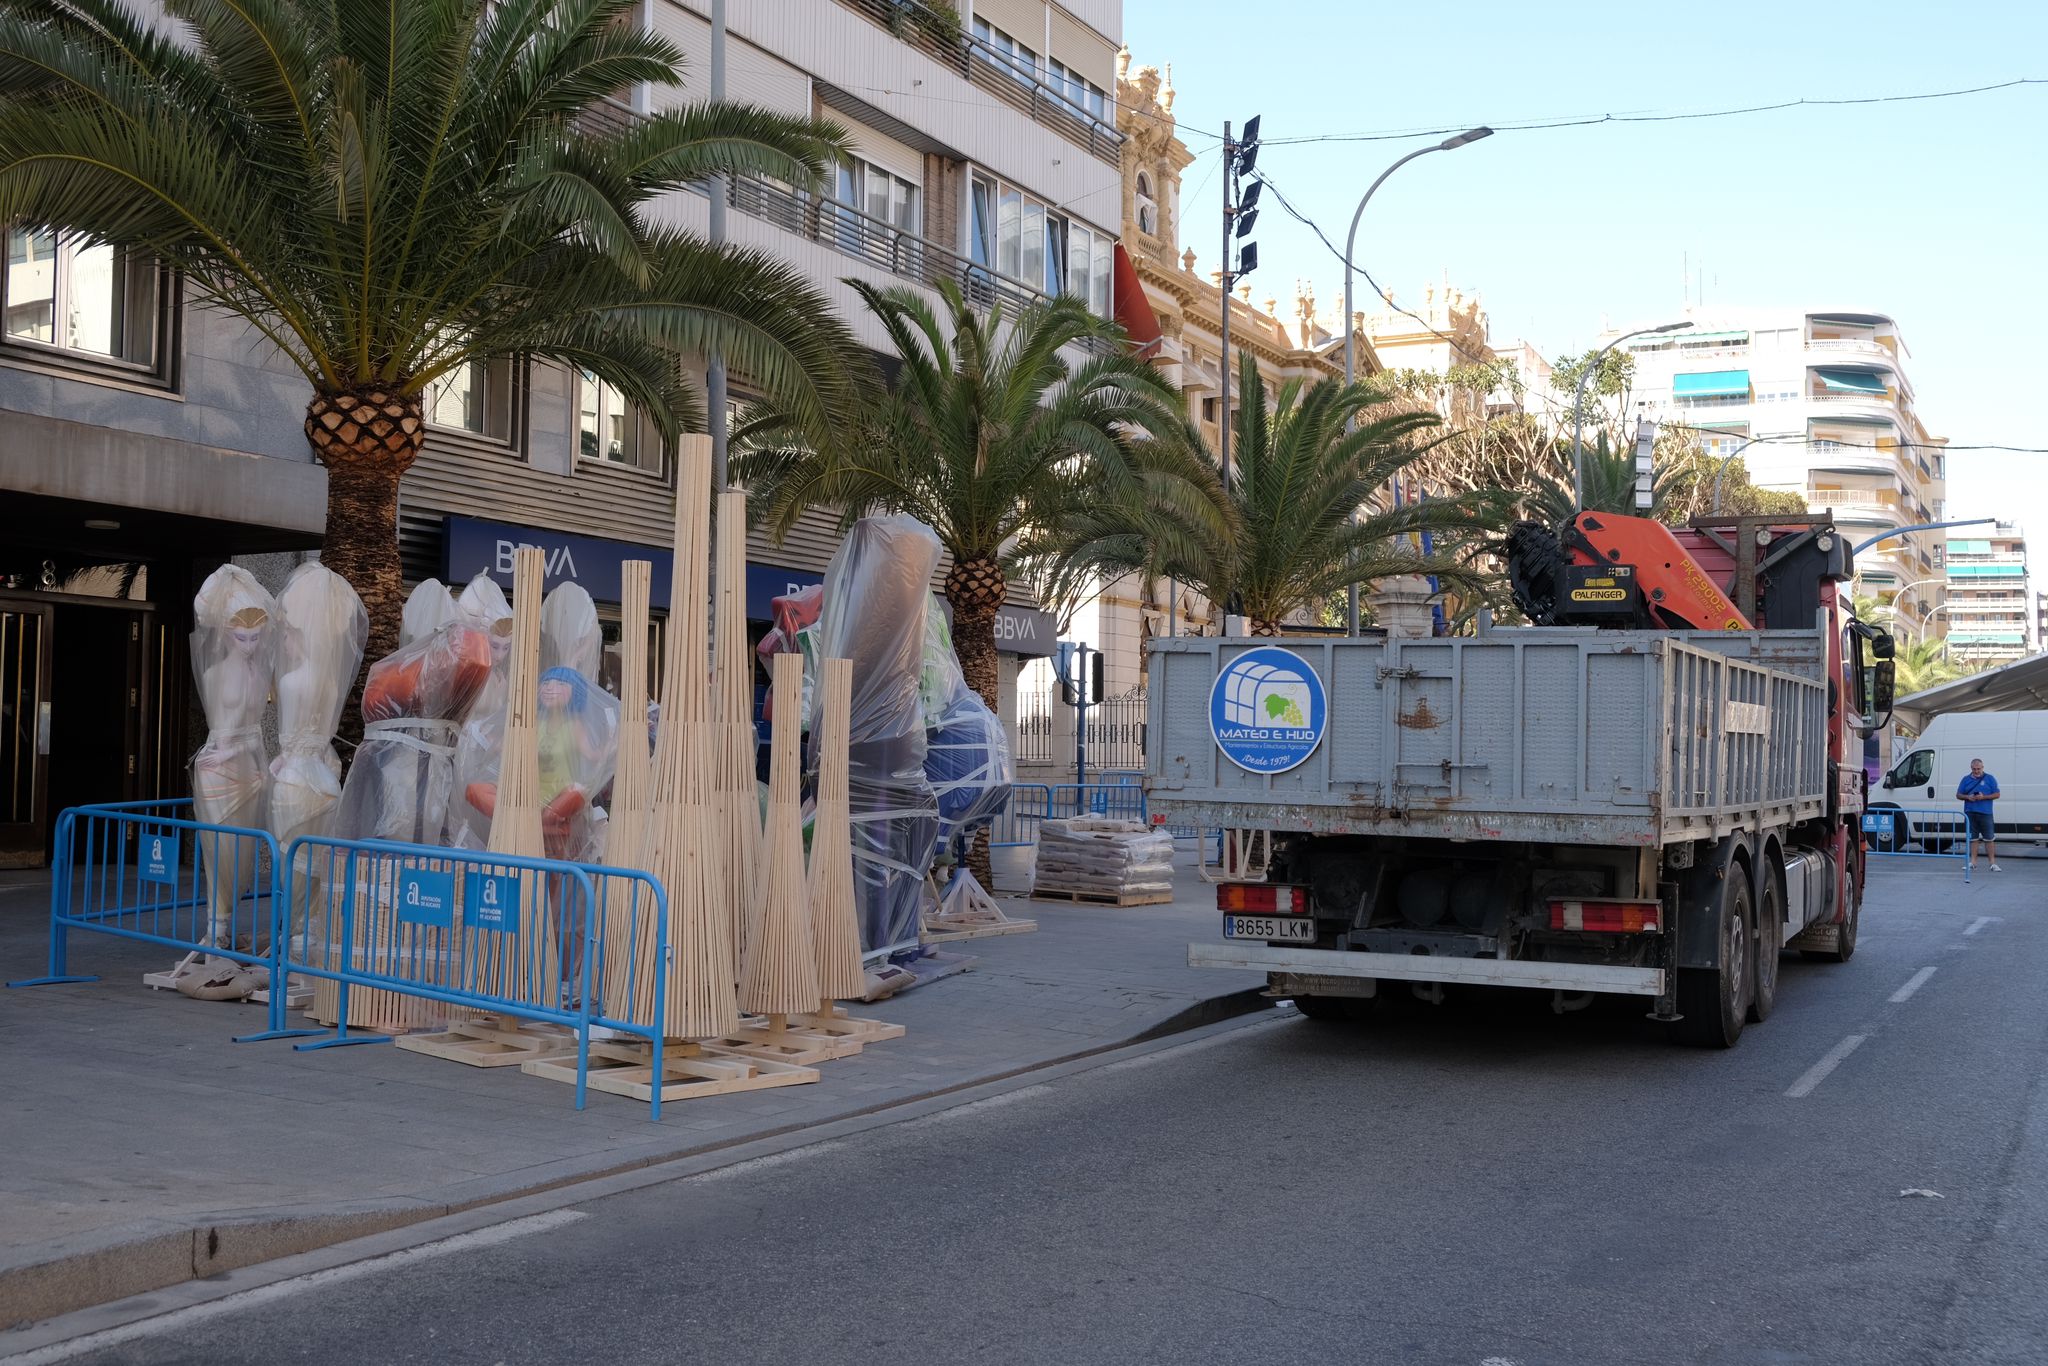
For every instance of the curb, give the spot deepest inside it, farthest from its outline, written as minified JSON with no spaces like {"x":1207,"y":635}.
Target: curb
{"x":161,"y":1259}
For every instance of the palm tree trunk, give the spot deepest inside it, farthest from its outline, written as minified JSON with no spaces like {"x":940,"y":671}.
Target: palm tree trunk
{"x":975,"y":589}
{"x":367,"y":441}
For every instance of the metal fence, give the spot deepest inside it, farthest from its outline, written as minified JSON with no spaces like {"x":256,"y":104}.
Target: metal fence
{"x":153,"y":873}
{"x":1034,"y":726}
{"x":1914,"y":833}
{"x":1016,"y":826}
{"x":1116,"y":732}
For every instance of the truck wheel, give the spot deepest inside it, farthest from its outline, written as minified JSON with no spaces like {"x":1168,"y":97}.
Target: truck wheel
{"x":1845,"y":940}
{"x":1770,"y":937}
{"x":1333,"y":1009}
{"x":1714,"y":1001}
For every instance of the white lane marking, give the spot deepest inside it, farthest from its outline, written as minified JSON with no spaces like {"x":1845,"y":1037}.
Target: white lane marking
{"x":1913,"y":984}
{"x":166,"y":1325}
{"x":1980,"y":922}
{"x":1818,"y":1073}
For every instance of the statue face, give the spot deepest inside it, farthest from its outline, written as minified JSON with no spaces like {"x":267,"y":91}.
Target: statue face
{"x":555,"y":694}
{"x":246,"y":639}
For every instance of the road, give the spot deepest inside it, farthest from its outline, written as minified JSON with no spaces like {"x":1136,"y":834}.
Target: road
{"x":1481,"y":1183}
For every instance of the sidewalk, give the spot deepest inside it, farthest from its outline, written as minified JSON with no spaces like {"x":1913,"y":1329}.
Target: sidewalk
{"x":144,"y":1148}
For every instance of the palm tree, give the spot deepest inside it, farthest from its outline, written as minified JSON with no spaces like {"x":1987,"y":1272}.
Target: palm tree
{"x":1922,"y":664}
{"x":390,"y":192}
{"x":1017,"y":459}
{"x":1309,"y":509}
{"x":1610,"y":482}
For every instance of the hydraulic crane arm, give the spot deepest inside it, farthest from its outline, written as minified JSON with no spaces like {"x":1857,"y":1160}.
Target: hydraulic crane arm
{"x":1617,"y":571}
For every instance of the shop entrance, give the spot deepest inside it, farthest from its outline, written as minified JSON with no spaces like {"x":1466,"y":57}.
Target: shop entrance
{"x":81,"y":712}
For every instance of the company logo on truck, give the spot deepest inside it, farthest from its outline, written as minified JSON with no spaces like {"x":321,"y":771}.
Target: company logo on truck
{"x":1267,"y":710}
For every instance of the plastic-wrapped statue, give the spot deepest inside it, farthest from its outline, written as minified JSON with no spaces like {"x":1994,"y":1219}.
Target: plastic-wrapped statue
{"x":320,"y":649}
{"x":413,"y":707}
{"x":234,"y":654}
{"x":967,"y":752}
{"x":570,"y":637}
{"x":430,"y":607}
{"x":578,"y":736}
{"x":877,"y":593}
{"x":480,"y":747}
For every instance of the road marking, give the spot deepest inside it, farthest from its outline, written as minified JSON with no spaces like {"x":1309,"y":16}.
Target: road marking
{"x":166,"y":1325}
{"x":1980,"y":922}
{"x":1818,"y":1073}
{"x":1913,"y":984}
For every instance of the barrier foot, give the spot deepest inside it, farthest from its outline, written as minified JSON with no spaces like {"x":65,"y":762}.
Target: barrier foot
{"x":51,"y":981}
{"x":267,"y":1035}
{"x":341,"y":1041}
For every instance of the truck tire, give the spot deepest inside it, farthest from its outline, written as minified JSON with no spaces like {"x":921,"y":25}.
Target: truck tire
{"x":1715,"y":1001}
{"x":1770,"y":938}
{"x":1845,"y":942}
{"x":1333,"y":1009}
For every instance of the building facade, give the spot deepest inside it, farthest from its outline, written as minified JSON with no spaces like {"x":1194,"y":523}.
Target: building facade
{"x":1819,"y":403}
{"x":1989,"y":608}
{"x":143,"y":441}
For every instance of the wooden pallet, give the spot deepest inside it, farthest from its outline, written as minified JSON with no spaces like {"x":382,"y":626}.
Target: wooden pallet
{"x":688,"y":1071}
{"x":794,"y":1042}
{"x":837,"y":1021}
{"x":945,"y":932}
{"x":1102,"y":898}
{"x":494,"y":1041}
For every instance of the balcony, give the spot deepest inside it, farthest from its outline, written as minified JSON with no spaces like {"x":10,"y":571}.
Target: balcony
{"x":1850,"y":346}
{"x":933,"y":29}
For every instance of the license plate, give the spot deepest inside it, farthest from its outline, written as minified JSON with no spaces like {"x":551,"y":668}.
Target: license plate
{"x":1284,"y":929}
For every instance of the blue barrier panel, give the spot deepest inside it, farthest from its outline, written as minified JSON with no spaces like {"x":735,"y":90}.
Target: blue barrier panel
{"x":1914,"y":832}
{"x":1120,"y":801}
{"x":1016,"y":825}
{"x":148,"y":871}
{"x":410,"y":934}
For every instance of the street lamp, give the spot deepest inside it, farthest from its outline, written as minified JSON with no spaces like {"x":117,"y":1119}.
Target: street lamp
{"x":1350,"y":342}
{"x":1862,"y":546}
{"x":1579,"y":404}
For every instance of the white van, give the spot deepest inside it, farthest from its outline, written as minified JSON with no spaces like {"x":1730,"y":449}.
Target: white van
{"x":1920,"y":790}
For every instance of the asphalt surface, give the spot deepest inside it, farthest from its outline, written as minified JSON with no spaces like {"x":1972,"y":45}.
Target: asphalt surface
{"x":1483,"y":1182}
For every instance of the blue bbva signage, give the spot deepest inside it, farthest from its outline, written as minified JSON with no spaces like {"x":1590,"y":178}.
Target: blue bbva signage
{"x":1268,"y":711}
{"x":476,"y":546}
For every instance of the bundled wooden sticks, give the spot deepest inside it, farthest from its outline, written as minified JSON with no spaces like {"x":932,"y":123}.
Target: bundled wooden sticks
{"x":739,"y":805}
{"x":778,"y":974}
{"x":835,"y":923}
{"x":629,"y":972}
{"x":700,"y":1002}
{"x":524,"y":965}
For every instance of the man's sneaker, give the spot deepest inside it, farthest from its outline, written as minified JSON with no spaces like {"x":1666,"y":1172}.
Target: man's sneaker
{"x":1996,"y":869}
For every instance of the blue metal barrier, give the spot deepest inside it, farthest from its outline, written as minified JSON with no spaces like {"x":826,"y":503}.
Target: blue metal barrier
{"x":149,"y":872}
{"x":400,"y":928}
{"x":1914,"y":832}
{"x":1123,"y":801}
{"x":1016,"y":825}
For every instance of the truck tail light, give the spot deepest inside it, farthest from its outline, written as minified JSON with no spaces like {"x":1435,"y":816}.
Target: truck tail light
{"x":1618,"y":917}
{"x":1261,"y":898}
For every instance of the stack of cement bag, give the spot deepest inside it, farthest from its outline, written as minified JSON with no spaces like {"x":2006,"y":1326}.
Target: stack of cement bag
{"x":1091,"y":856}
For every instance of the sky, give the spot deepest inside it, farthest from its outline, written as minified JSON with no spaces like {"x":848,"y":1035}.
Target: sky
{"x":1933,"y":211}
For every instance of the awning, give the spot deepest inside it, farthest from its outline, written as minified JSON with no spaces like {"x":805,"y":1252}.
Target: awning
{"x":1852,"y":381}
{"x":1711,"y":384}
{"x":1698,"y":338}
{"x":2019,"y":686}
{"x":1132,"y":308}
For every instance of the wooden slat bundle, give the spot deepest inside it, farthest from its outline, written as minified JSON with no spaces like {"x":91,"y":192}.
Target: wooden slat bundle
{"x":739,"y":803}
{"x":525,"y":965}
{"x":778,"y":974}
{"x":629,"y":972}
{"x":835,"y":922}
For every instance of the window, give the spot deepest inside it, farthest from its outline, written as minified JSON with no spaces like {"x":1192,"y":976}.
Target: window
{"x":477,"y":397}
{"x":1084,"y":95}
{"x":1148,"y":207}
{"x":1035,"y":244}
{"x":1914,"y":770}
{"x":994,"y":45}
{"x":99,"y":303}
{"x":883,"y":196}
{"x":611,"y":429}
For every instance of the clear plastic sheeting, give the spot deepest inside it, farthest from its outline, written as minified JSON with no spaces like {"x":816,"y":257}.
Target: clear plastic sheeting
{"x":967,"y":752}
{"x":430,"y":607}
{"x":321,"y":641}
{"x":479,"y":747}
{"x":234,"y":654}
{"x":414,"y":704}
{"x":577,"y":730}
{"x":1093,"y":856}
{"x":877,"y":594}
{"x":570,"y":637}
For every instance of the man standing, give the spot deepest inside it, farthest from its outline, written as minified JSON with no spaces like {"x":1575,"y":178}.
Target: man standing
{"x":1977,"y":791}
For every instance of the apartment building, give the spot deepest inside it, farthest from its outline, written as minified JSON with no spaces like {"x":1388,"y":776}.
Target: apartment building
{"x":1989,"y":608}
{"x":1820,"y":403}
{"x":143,"y":440}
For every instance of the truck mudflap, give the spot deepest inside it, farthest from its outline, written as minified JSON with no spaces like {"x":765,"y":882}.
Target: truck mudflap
{"x":1404,"y":967}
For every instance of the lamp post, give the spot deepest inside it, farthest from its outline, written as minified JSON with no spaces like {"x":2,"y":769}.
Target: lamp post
{"x":1579,"y":405}
{"x":1864,"y":545}
{"x":1350,"y":331}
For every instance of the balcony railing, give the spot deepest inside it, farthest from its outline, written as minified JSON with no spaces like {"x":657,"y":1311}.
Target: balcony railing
{"x":1880,"y":400}
{"x":916,"y":23}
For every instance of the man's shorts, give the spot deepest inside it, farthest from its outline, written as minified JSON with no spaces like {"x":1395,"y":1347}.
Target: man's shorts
{"x":1977,"y":825}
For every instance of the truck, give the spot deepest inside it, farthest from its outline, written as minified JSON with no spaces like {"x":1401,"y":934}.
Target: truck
{"x":1651,"y":789}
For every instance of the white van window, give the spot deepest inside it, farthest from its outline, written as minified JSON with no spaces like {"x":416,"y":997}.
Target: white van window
{"x":1915,"y":770}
